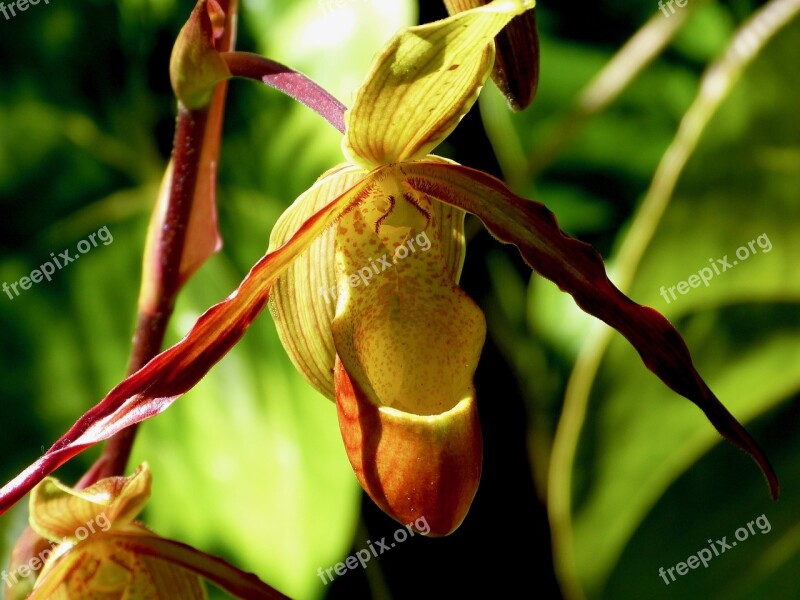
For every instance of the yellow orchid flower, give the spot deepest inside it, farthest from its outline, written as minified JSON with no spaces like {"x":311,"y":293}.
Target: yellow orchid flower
{"x":372,"y":314}
{"x":384,"y":328}
{"x":93,"y":549}
{"x":362,"y":279}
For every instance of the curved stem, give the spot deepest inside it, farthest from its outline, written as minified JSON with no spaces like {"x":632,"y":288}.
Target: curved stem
{"x":637,"y":53}
{"x":290,"y":82}
{"x":152,"y":323}
{"x":193,"y":129}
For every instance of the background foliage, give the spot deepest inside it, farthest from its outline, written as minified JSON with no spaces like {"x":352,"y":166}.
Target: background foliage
{"x":250,"y":465}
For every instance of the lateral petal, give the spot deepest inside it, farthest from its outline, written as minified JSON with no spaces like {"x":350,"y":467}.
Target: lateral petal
{"x":57,"y":510}
{"x":175,"y":371}
{"x":578,"y":269}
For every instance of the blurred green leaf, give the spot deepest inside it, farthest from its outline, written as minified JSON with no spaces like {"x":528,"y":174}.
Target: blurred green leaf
{"x":638,"y":442}
{"x":250,"y":465}
{"x":331,"y":41}
{"x":706,"y":33}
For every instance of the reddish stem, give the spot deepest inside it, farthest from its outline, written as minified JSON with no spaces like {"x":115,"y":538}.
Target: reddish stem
{"x":290,"y":82}
{"x":192,"y":128}
{"x":151,"y":326}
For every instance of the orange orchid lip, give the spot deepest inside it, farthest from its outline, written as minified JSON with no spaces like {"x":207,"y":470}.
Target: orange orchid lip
{"x":411,"y":465}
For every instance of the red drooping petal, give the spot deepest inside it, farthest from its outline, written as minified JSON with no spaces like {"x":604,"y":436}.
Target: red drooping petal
{"x":579,"y":270}
{"x":175,"y":371}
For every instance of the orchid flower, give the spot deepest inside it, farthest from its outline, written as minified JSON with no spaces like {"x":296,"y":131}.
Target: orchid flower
{"x":362,"y":279}
{"x":95,"y":549}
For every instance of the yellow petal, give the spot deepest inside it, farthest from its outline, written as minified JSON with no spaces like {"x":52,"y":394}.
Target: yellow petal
{"x":409,"y":340}
{"x":303,"y":299}
{"x":58,"y":512}
{"x":136,"y":564}
{"x":422,"y":83}
{"x":112,"y":567}
{"x":300,"y":299}
{"x":516,"y":64}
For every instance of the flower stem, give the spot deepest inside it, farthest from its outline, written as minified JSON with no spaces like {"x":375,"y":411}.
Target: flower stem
{"x":193,"y":129}
{"x":288,"y":81}
{"x":152,"y":320}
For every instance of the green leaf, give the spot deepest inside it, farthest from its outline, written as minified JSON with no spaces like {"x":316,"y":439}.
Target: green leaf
{"x":649,"y":485}
{"x":280,"y":498}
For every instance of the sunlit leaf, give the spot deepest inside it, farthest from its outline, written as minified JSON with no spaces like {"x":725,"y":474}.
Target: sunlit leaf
{"x":743,"y":322}
{"x":153,"y":388}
